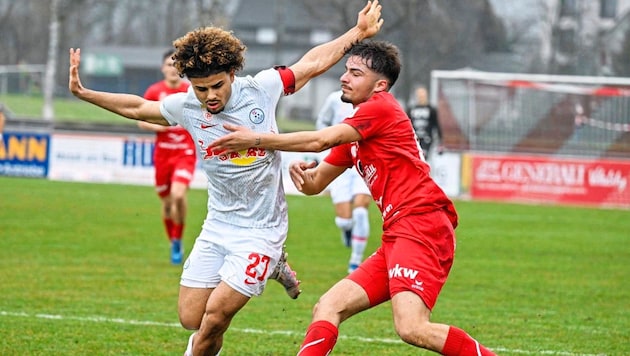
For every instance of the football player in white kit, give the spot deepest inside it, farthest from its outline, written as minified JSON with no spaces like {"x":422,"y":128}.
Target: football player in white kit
{"x":348,"y":192}
{"x":241,"y":241}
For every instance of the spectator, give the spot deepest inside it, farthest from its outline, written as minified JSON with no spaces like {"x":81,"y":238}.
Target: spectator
{"x":426,"y":124}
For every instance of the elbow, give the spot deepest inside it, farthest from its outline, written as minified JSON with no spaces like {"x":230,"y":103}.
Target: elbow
{"x":321,"y":144}
{"x":311,"y":190}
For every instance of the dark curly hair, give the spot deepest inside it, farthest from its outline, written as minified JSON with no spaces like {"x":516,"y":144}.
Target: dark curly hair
{"x":207,"y":51}
{"x":380,"y":56}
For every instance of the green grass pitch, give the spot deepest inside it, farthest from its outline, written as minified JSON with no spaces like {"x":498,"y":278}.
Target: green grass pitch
{"x":84,"y":270}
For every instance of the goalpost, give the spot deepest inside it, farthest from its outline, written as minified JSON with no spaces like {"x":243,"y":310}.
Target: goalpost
{"x":21,"y":78}
{"x":534,"y":114}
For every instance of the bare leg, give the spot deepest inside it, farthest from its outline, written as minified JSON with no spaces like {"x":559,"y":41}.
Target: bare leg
{"x":411,"y":320}
{"x":212,"y":320}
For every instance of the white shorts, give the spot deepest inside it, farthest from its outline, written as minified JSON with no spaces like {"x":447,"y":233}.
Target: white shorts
{"x":243,"y":259}
{"x":346,"y":186}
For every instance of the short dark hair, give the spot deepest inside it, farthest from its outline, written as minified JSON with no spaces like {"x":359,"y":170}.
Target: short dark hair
{"x":207,"y":51}
{"x":380,"y":56}
{"x":168,"y":54}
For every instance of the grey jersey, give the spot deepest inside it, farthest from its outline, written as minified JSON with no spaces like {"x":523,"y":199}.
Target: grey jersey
{"x":244,"y":189}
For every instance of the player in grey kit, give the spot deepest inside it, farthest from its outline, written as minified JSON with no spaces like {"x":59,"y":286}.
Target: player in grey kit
{"x":247,"y":222}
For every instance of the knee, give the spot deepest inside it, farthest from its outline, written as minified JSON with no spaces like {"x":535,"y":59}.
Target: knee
{"x":212,"y":323}
{"x":414,"y":334}
{"x":326,"y":309}
{"x":178,"y":198}
{"x":316,"y":309}
{"x":189,"y":321}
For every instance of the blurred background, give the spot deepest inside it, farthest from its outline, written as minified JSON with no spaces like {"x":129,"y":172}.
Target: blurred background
{"x":535,"y":82}
{"x":122,"y":41}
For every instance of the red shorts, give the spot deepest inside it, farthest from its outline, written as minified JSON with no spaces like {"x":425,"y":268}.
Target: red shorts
{"x":416,"y":255}
{"x":173,"y":166}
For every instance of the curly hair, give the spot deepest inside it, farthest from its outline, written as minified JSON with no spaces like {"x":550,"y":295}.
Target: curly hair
{"x":207,"y":51}
{"x":380,"y":56}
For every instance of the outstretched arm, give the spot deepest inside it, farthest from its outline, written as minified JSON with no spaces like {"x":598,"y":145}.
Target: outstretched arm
{"x":303,"y":141}
{"x":319,"y":59}
{"x":127,"y":105}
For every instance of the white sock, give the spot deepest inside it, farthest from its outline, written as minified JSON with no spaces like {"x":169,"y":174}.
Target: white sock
{"x":360,"y":233}
{"x":189,"y":347}
{"x":189,"y":351}
{"x":344,"y":224}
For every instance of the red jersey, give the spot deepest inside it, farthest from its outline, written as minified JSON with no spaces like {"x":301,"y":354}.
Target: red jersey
{"x":390,"y":161}
{"x":175,"y":137}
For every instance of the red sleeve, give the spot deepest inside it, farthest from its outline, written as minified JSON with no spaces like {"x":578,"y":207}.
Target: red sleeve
{"x":153,"y":92}
{"x":288,"y":79}
{"x":340,"y":156}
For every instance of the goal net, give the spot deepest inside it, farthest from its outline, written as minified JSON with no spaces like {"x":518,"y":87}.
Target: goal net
{"x":535,"y":114}
{"x":21,"y":79}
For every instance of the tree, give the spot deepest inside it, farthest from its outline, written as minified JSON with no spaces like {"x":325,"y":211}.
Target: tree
{"x":431,"y":34}
{"x":51,"y":62}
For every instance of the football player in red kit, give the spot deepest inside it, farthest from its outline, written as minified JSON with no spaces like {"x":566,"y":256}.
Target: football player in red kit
{"x":418,"y":242}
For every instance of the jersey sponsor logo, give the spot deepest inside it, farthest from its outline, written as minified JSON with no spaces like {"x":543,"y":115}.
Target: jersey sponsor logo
{"x":240,"y":158}
{"x":408,"y":273}
{"x":402,"y":272}
{"x":386,"y":210}
{"x":369,"y":174}
{"x":245,"y":157}
{"x":257,"y":116}
{"x":207,"y":126}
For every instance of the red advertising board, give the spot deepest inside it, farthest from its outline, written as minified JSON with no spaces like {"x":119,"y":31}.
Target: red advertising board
{"x":551,"y":180}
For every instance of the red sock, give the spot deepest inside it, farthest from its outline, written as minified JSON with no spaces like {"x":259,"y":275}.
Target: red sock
{"x":168,"y":224}
{"x":176,"y":231}
{"x":458,"y":343}
{"x":320,"y":339}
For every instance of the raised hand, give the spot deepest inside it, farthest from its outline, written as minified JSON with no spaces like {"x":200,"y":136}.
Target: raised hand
{"x":74,"y":82}
{"x":369,"y":20}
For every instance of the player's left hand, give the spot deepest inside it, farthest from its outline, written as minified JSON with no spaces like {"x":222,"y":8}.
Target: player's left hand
{"x":241,"y":138}
{"x":369,"y":20}
{"x":298,"y":172}
{"x":74,"y":82}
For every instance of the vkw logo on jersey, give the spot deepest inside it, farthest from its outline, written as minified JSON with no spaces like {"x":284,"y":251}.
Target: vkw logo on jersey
{"x":257,"y":116}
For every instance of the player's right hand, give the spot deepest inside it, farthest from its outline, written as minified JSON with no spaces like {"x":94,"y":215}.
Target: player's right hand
{"x":370,"y":21}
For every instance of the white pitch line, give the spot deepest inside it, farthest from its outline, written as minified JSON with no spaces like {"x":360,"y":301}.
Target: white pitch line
{"x":100,"y":319}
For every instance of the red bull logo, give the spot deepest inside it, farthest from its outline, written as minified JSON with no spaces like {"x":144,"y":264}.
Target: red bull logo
{"x":241,"y":158}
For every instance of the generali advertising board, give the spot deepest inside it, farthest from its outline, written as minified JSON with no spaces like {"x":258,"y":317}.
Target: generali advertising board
{"x":551,"y":180}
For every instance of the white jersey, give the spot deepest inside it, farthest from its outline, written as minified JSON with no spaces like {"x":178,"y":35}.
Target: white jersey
{"x":244,"y":189}
{"x":333,"y":111}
